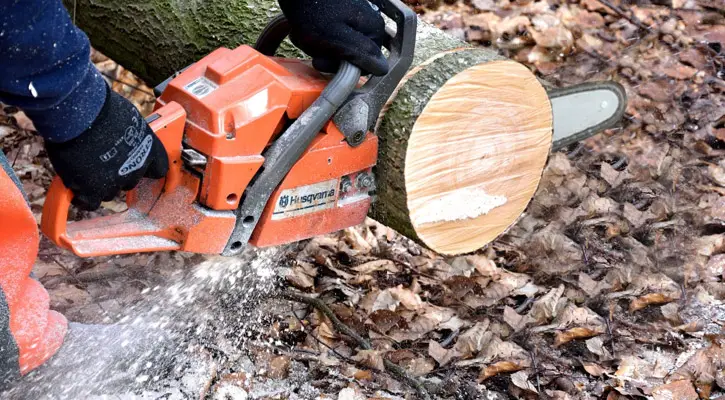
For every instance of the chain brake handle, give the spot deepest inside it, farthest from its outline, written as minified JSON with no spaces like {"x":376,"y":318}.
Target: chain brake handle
{"x":359,"y":114}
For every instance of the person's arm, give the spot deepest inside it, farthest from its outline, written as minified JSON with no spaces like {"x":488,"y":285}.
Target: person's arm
{"x":46,"y":69}
{"x":97,"y":141}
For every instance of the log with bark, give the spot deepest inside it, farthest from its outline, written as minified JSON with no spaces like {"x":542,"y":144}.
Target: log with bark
{"x":463,"y":142}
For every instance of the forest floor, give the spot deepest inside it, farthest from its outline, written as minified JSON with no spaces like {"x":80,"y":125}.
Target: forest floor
{"x":610,"y":286}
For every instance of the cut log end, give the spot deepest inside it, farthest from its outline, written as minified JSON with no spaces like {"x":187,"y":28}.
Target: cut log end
{"x":475,"y":156}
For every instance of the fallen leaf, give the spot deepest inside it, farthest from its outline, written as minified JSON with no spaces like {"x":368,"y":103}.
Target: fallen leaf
{"x":350,"y":394}
{"x":371,"y":359}
{"x":279,"y":367}
{"x":299,"y":278}
{"x":545,"y":308}
{"x":499,"y":368}
{"x":406,"y":297}
{"x":594,"y":369}
{"x":377,"y":265}
{"x":677,"y":390}
{"x":521,"y":380}
{"x":596,"y":346}
{"x":574,"y":334}
{"x":385,"y":301}
{"x":442,"y":355}
{"x":649,"y":300}
{"x":702,"y":368}
{"x":418,"y":366}
{"x":516,"y":321}
{"x":474,"y":339}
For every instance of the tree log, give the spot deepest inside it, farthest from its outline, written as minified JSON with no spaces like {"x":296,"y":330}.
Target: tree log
{"x":463,"y":142}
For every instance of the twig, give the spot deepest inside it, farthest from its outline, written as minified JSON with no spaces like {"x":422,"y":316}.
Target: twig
{"x":536,"y":370}
{"x":390,"y":366}
{"x":631,"y":18}
{"x":611,"y":335}
{"x":318,"y":340}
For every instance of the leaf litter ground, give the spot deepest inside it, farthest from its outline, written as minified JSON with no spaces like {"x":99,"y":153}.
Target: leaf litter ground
{"x":610,"y":286}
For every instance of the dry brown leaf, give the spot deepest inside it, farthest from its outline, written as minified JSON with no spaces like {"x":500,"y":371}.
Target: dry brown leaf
{"x":326,"y":334}
{"x":703,"y":367}
{"x":596,"y":346}
{"x":679,"y":71}
{"x":363,"y":375}
{"x":521,"y":380}
{"x":591,"y":287}
{"x":516,"y":321}
{"x":298,"y":278}
{"x":671,"y":312}
{"x":580,"y":316}
{"x":474,"y":339}
{"x":385,"y":301}
{"x":279,"y":367}
{"x":418,"y":366}
{"x":407,"y":298}
{"x":557,"y":37}
{"x":371,"y":359}
{"x":545,"y":308}
{"x":377,"y":265}
{"x":43,"y":269}
{"x":717,"y":174}
{"x":424,"y":321}
{"x":384,"y":320}
{"x":499,"y":368}
{"x":357,"y":241}
{"x":694,"y":326}
{"x":498,"y":350}
{"x":442,"y":355}
{"x":594,"y":369}
{"x":574,"y":334}
{"x":677,"y":390}
{"x":649,"y":300}
{"x":654,"y":289}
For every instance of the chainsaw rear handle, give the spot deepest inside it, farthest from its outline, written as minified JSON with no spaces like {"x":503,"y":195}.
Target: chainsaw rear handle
{"x":54,"y":223}
{"x":360,"y":112}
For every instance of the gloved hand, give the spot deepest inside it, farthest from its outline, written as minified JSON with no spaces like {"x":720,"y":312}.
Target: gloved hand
{"x":114,"y":154}
{"x":334,"y":30}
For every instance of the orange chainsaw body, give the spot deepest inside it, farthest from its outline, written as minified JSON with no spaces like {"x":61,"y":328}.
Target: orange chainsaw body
{"x":227,"y":109}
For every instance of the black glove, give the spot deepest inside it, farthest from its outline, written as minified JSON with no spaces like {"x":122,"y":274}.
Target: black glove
{"x":112,"y":155}
{"x":334,"y":30}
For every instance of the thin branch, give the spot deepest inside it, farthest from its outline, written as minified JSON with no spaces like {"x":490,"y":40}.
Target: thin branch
{"x":390,"y":366}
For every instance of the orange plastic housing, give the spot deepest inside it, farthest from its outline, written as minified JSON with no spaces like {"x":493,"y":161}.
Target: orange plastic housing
{"x":229,"y":107}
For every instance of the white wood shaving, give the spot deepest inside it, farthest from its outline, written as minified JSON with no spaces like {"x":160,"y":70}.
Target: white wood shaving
{"x":457,"y":205}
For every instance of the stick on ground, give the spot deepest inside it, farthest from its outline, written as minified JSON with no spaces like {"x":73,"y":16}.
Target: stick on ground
{"x":339,"y":326}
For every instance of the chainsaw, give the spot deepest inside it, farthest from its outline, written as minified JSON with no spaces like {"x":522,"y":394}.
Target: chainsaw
{"x":294,"y":161}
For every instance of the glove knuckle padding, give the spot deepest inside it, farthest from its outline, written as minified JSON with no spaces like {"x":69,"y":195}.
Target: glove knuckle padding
{"x":114,"y":153}
{"x":337,"y":30}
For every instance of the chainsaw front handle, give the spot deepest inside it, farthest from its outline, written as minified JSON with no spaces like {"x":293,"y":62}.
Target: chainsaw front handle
{"x":286,"y":151}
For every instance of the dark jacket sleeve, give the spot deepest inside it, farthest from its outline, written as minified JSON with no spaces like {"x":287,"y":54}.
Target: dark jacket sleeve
{"x":45,"y":68}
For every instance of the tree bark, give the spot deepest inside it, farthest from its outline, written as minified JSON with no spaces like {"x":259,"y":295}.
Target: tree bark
{"x":448,"y":116}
